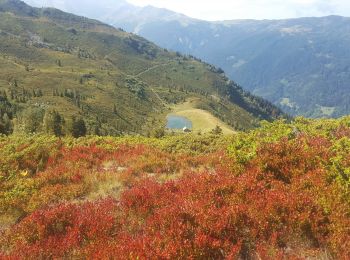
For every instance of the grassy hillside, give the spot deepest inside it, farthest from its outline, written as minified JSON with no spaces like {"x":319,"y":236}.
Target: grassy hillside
{"x":117,"y":82}
{"x":202,"y":121}
{"x":277,"y":192}
{"x":301,"y":65}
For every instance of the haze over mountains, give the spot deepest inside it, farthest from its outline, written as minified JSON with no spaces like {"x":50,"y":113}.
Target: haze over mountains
{"x":300,"y":64}
{"x":114,"y":147}
{"x":116,"y":81}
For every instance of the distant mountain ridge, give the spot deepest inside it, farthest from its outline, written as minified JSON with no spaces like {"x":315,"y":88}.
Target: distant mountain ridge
{"x":116,"y":81}
{"x":301,"y":65}
{"x":118,"y":13}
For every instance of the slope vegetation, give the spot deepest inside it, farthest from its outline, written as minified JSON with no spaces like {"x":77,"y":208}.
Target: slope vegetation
{"x":299,"y":64}
{"x":117,"y":82}
{"x":202,"y":120}
{"x":278,"y":192}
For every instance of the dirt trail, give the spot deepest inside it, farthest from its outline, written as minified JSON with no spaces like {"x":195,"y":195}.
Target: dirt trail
{"x":152,"y":68}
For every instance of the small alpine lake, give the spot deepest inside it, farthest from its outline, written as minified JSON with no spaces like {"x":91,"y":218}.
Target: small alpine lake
{"x":178,"y":122}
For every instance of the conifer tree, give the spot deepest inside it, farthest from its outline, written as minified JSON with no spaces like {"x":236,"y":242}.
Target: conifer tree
{"x":6,"y":126}
{"x":78,"y":127}
{"x":53,"y":123}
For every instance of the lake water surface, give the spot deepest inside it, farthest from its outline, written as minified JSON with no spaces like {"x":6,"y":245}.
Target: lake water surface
{"x":178,"y":122}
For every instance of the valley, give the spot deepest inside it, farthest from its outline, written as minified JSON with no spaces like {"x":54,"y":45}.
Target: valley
{"x":313,"y":74}
{"x":112,"y":147}
{"x":116,"y":82}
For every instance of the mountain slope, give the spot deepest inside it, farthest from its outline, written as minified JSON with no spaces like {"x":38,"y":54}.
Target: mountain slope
{"x":300,"y":65}
{"x":116,"y":81}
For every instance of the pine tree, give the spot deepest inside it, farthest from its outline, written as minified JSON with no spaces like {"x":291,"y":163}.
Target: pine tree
{"x":78,"y":127}
{"x":32,"y":120}
{"x":6,"y":126}
{"x":53,"y":123}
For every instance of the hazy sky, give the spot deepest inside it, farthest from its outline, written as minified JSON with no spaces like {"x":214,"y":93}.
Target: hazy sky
{"x":255,"y":9}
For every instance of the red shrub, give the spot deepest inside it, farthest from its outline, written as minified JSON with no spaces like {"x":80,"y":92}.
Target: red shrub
{"x":282,"y":205}
{"x":63,"y":230}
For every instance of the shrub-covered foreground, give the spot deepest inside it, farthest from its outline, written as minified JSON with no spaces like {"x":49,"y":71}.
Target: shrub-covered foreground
{"x":278,"y":192}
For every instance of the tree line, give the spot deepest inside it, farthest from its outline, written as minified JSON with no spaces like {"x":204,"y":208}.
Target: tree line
{"x":37,"y":120}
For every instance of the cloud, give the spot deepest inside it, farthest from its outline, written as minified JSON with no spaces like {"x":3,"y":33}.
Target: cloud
{"x":255,"y":9}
